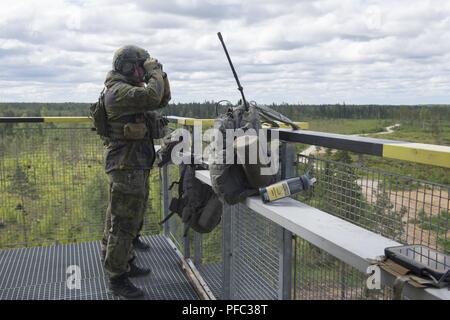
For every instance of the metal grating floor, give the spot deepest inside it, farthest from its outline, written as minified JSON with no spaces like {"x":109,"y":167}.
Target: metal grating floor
{"x":212,"y":274}
{"x":40,"y":273}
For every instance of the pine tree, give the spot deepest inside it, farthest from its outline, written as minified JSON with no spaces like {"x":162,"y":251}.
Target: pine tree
{"x":388,"y":221}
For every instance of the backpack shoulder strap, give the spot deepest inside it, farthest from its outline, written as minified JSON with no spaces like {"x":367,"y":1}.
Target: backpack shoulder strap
{"x":177,"y":203}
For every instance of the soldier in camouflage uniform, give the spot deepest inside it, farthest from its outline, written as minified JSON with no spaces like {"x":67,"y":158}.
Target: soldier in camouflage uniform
{"x":135,"y":86}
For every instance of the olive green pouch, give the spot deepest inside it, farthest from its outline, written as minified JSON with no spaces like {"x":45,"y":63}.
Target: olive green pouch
{"x":134,"y":131}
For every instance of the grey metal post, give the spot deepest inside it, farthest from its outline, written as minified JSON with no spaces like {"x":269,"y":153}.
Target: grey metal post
{"x":227,"y":251}
{"x":187,"y":245}
{"x":198,"y":254}
{"x":285,"y":272}
{"x":197,"y":236}
{"x":288,"y":157}
{"x":165,"y":197}
{"x":288,"y":170}
{"x":186,"y":241}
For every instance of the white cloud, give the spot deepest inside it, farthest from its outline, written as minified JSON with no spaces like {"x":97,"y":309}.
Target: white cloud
{"x":324,"y":51}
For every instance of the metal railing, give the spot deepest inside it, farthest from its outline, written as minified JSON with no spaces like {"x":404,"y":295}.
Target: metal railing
{"x":404,"y":209}
{"x":53,"y":190}
{"x":401,"y":208}
{"x":263,"y":260}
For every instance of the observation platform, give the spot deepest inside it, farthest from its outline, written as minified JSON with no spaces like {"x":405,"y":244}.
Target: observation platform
{"x":317,"y":246}
{"x":39,"y":273}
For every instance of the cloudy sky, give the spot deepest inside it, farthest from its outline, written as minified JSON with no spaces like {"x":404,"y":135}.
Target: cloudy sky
{"x":357,"y":51}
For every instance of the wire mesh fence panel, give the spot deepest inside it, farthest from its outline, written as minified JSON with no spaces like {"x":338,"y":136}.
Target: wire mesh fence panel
{"x":212,"y":246}
{"x":255,"y":263}
{"x":53,"y":187}
{"x":210,"y":266}
{"x":405,"y":209}
{"x":320,"y":276}
{"x":176,"y":226}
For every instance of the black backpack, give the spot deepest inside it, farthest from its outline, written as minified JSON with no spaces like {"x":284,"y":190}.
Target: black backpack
{"x":197,"y":205}
{"x":97,"y":113}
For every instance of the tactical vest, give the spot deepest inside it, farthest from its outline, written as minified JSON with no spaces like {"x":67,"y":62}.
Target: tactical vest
{"x":130,"y":127}
{"x":129,"y":144}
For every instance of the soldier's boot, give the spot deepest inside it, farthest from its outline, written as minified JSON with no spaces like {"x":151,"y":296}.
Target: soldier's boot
{"x":136,"y":271}
{"x":140,"y":245}
{"x":122,"y":286}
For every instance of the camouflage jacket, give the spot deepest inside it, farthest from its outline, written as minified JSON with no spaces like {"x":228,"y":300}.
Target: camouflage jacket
{"x":125,"y":100}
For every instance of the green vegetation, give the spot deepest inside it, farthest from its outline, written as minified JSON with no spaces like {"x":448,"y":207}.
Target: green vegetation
{"x":437,"y":132}
{"x":439,"y":224}
{"x":43,"y":109}
{"x":349,"y":126}
{"x":411,"y":169}
{"x":418,"y":116}
{"x":53,"y":187}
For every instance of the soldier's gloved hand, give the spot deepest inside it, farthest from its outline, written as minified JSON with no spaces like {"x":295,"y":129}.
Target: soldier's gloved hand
{"x":151,"y":65}
{"x":167,"y":94}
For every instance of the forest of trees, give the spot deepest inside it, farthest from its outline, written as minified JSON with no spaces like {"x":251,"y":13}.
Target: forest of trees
{"x":207,"y":109}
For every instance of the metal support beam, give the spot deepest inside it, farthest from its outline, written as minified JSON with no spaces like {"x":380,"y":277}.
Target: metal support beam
{"x":186,"y":239}
{"x":45,"y":119}
{"x":198,"y":254}
{"x":408,"y":151}
{"x":285,"y":271}
{"x":227,"y":251}
{"x":187,"y":245}
{"x":288,"y":170}
{"x":288,"y":160}
{"x":164,"y":172}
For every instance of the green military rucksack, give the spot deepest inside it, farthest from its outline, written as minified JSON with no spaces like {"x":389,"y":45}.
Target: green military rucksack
{"x":97,"y":113}
{"x":235,"y":182}
{"x":197,"y":205}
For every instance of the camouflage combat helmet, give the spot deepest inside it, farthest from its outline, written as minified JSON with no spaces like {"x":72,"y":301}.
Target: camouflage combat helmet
{"x":125,"y":58}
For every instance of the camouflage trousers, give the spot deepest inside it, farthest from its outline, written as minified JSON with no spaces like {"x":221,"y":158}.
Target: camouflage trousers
{"x":128,"y":198}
